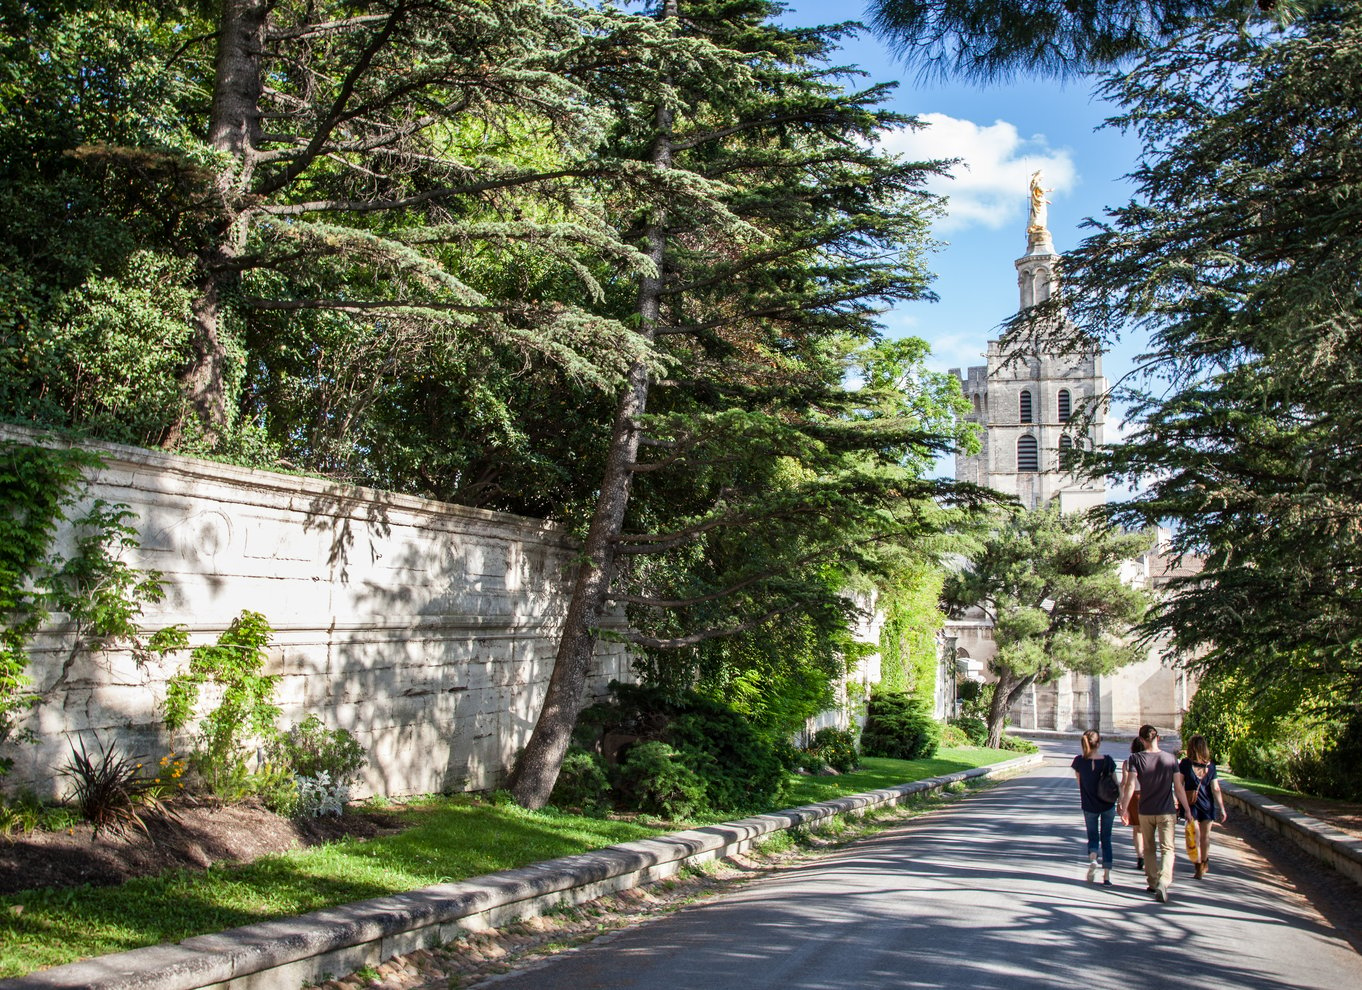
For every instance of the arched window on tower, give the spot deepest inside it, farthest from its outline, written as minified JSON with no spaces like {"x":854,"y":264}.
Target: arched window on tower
{"x":1065,"y":405}
{"x":1028,"y":454}
{"x":1066,"y":450}
{"x":1026,"y":406}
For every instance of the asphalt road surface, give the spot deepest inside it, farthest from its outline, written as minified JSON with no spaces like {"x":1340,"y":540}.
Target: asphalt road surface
{"x":988,"y":892}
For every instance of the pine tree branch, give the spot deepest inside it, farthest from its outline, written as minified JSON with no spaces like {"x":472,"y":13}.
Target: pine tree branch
{"x":406,"y":202}
{"x":679,"y":642}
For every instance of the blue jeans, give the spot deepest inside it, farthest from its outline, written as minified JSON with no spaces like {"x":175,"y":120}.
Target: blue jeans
{"x":1099,"y":828}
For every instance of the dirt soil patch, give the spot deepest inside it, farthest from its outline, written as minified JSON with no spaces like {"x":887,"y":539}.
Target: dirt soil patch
{"x":199,"y":836}
{"x":1345,"y":816}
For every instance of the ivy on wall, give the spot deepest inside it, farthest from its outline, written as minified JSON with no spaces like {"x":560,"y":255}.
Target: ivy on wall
{"x":99,"y":593}
{"x":908,"y":648}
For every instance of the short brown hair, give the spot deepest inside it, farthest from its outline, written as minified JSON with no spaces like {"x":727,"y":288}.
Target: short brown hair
{"x":1148,"y":733}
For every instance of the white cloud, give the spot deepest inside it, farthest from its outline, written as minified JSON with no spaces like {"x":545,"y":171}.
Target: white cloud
{"x":990,"y":184}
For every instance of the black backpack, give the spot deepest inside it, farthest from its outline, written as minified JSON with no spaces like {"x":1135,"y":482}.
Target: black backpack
{"x":1107,"y":788}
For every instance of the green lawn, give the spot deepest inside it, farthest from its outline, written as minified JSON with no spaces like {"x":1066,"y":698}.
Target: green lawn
{"x":1262,"y":787}
{"x":450,"y":839}
{"x":876,"y":773}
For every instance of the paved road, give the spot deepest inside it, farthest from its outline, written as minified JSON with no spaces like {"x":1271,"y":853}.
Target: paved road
{"x":985,"y":893}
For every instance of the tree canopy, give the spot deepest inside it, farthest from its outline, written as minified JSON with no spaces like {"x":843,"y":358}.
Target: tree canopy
{"x":989,"y":40}
{"x":1239,"y":257}
{"x":1052,"y":587}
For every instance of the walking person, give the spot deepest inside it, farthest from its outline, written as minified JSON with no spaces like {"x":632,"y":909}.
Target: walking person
{"x":1133,"y":810}
{"x":1161,"y":794}
{"x":1202,"y":785}
{"x":1098,"y":811}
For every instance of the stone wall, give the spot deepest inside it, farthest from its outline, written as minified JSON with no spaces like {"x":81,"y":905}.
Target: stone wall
{"x":426,"y":629}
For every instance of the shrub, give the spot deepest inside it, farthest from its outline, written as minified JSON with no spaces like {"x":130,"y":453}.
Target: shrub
{"x":109,"y":791}
{"x":1016,"y":744}
{"x":953,"y":737}
{"x":900,"y":727}
{"x":740,"y":768}
{"x":1278,"y":736}
{"x":975,"y":729}
{"x":655,"y":780}
{"x":310,"y":748}
{"x":582,"y":783}
{"x":320,"y":795}
{"x":975,"y":698}
{"x":837,"y":748}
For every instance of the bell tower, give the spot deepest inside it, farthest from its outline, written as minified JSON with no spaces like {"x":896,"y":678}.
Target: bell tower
{"x":1035,"y":405}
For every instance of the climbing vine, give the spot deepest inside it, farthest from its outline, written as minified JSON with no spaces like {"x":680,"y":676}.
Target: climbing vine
{"x":99,"y":593}
{"x":908,"y":648}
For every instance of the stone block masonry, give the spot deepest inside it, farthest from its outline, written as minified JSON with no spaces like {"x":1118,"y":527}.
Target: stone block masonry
{"x":427,"y":629}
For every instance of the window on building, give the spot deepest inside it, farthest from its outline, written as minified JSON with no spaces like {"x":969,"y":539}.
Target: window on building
{"x":1028,"y":454}
{"x":1065,"y":407}
{"x":1026,"y":406}
{"x":1066,"y":450}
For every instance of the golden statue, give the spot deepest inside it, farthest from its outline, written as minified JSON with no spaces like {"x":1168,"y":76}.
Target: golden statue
{"x":1039,"y":214}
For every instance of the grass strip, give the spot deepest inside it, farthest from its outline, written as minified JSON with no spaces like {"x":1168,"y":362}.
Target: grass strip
{"x":449,"y":838}
{"x":877,"y":773}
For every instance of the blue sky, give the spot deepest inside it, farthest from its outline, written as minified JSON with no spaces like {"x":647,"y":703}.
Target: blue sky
{"x":1003,"y":133}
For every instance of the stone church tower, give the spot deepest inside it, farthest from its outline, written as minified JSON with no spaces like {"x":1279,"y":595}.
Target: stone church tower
{"x":1029,"y":403}
{"x":1032,"y":406}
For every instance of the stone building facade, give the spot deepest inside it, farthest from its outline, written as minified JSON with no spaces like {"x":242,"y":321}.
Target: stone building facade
{"x":1032,"y":406}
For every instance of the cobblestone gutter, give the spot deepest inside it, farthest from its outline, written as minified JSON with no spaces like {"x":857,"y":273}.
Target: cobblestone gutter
{"x":290,"y":952}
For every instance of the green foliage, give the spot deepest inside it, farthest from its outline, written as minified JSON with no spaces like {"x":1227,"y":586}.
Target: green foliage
{"x":310,"y":748}
{"x":583,"y":784}
{"x":234,"y":665}
{"x":912,"y":619}
{"x":836,"y":748}
{"x":953,"y":736}
{"x":1279,"y":735}
{"x":24,"y":814}
{"x":1017,"y":744}
{"x":900,"y":727}
{"x":1052,"y":586}
{"x":101,"y":596}
{"x":739,"y":768}
{"x":973,"y":727}
{"x":1245,"y":438}
{"x":991,"y":40}
{"x":110,"y":791}
{"x":655,"y":779}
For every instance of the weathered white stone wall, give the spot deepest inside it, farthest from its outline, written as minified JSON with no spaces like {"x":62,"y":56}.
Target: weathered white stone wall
{"x":426,"y":629}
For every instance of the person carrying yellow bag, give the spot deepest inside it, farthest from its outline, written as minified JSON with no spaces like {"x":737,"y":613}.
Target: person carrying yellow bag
{"x":1200,"y":781}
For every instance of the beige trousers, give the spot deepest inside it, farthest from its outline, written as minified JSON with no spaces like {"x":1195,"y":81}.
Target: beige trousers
{"x":1159,"y":848}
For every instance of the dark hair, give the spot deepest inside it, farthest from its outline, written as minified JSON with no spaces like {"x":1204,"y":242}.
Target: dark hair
{"x":1148,"y":733}
{"x":1137,"y":745}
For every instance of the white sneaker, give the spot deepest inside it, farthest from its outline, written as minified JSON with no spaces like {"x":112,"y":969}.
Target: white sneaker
{"x":1092,"y":871}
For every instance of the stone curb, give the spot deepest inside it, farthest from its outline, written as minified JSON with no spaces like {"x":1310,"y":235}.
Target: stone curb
{"x":1326,"y":843}
{"x":290,"y":952}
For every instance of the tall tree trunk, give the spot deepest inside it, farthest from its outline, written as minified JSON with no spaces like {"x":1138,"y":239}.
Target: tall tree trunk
{"x":536,"y":771}
{"x":234,"y":129}
{"x":1004,"y":693}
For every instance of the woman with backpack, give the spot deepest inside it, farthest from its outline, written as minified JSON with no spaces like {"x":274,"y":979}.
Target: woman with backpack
{"x":1098,"y":792}
{"x":1203,"y":794}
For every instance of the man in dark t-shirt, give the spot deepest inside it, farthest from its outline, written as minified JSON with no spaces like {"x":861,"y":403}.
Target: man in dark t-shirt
{"x":1161,"y":794}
